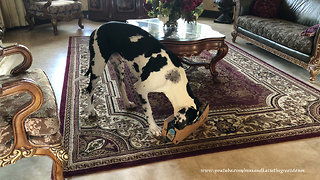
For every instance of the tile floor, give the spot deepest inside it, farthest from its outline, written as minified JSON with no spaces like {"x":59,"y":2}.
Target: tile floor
{"x":49,"y":53}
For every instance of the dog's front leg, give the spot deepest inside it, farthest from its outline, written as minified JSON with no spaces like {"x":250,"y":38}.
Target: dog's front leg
{"x":90,"y":108}
{"x":153,"y":127}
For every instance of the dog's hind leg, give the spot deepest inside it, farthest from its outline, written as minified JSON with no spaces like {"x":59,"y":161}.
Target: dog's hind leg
{"x":127,"y":102}
{"x":97,"y":71}
{"x":119,"y":66}
{"x":90,"y":108}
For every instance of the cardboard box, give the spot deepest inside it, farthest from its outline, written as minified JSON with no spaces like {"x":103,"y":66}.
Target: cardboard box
{"x":175,"y":135}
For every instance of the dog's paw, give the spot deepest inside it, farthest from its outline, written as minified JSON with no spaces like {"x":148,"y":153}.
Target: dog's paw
{"x":130,"y":105}
{"x":92,"y":114}
{"x":155,"y":130}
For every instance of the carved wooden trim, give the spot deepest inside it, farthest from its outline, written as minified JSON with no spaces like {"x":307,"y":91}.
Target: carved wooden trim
{"x":45,"y":7}
{"x":222,"y":51}
{"x":22,"y":147}
{"x":17,"y":87}
{"x":18,"y":49}
{"x":234,"y":35}
{"x":236,"y":15}
{"x":56,"y":153}
{"x":276,"y":52}
{"x":60,"y":153}
{"x":63,"y":18}
{"x":314,"y":64}
{"x":193,"y":48}
{"x":16,"y":155}
{"x":59,"y":157}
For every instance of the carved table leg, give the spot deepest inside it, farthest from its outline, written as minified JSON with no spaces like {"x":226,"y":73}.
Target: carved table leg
{"x":222,"y":51}
{"x":80,"y":21}
{"x":59,"y":157}
{"x":314,"y":71}
{"x":234,"y":35}
{"x":314,"y":64}
{"x":54,"y":23}
{"x":28,"y":18}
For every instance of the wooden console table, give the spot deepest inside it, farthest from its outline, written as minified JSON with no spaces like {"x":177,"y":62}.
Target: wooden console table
{"x":120,"y":10}
{"x":189,"y":40}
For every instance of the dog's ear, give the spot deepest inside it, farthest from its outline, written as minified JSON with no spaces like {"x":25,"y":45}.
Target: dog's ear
{"x":191,"y":115}
{"x":182,"y":111}
{"x":196,"y":100}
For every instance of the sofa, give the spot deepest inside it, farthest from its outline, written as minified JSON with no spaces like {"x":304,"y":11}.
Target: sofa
{"x":287,"y":28}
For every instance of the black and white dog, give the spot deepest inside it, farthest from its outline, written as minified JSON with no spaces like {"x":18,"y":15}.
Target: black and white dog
{"x":156,"y":68}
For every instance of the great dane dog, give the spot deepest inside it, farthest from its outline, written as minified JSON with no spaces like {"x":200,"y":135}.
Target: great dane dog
{"x":156,"y":68}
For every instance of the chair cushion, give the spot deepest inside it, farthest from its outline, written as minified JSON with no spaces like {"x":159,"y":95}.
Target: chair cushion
{"x":6,"y":139}
{"x":42,"y":126}
{"x":58,"y":8}
{"x":281,"y":31}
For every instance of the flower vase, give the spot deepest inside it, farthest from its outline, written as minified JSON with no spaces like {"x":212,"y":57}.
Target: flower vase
{"x":170,"y":25}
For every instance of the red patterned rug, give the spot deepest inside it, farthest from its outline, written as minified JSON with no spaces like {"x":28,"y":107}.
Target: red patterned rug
{"x":251,"y":103}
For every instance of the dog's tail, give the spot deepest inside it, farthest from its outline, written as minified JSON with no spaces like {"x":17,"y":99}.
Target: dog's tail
{"x":92,"y":53}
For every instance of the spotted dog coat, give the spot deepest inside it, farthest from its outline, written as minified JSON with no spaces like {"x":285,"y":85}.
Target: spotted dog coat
{"x":156,"y":68}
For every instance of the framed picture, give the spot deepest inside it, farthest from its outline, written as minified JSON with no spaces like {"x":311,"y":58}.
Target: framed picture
{"x":96,"y":5}
{"x":126,"y":5}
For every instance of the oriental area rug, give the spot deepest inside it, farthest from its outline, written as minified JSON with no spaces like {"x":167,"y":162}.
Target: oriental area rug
{"x":251,"y":103}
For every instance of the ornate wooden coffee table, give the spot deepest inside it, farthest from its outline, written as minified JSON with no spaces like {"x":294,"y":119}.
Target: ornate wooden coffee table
{"x":189,"y":40}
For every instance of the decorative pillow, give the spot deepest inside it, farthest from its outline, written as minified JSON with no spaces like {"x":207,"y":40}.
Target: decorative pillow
{"x":266,"y":8}
{"x":310,"y":31}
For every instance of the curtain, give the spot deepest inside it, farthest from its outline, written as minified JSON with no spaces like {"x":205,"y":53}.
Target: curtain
{"x":1,"y":21}
{"x":13,"y":12}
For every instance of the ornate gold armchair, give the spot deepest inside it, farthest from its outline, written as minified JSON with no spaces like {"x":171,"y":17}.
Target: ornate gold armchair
{"x":54,"y":10}
{"x":29,"y":121}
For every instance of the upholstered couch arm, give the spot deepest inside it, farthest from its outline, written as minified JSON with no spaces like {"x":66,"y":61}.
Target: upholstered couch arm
{"x":10,"y":88}
{"x":245,"y":7}
{"x":15,"y":67}
{"x":314,"y":64}
{"x":316,"y":42}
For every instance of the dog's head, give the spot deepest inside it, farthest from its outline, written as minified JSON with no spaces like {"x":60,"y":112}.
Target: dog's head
{"x":186,"y":116}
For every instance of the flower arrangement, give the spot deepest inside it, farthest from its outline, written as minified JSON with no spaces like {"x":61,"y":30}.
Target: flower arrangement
{"x":170,"y":11}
